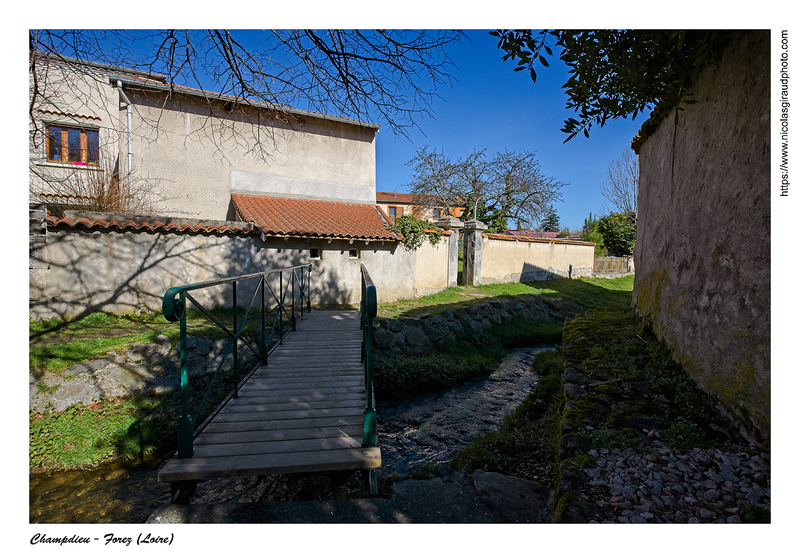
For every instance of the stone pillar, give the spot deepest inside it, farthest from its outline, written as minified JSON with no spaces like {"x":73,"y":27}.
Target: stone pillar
{"x":452,"y":224}
{"x":473,"y":245}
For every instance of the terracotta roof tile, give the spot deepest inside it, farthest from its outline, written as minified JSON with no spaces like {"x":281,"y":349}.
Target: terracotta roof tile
{"x":536,"y":239}
{"x":110,"y":221}
{"x":313,"y":218}
{"x":394,"y":197}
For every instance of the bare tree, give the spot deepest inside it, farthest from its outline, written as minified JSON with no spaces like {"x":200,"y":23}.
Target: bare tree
{"x":508,"y":188}
{"x":621,"y":187}
{"x":103,"y":189}
{"x":382,"y":74}
{"x":436,"y":179}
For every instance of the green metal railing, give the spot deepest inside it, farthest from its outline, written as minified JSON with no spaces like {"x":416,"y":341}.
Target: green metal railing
{"x":295,"y":280}
{"x":369,"y":310}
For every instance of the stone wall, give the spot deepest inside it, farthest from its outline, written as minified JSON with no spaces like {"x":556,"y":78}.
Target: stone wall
{"x":419,"y":334}
{"x":703,"y":235}
{"x":74,"y":271}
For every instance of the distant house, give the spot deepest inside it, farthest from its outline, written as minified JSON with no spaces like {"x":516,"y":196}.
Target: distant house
{"x":397,"y":204}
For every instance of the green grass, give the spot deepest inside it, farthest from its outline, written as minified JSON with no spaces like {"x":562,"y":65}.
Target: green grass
{"x":399,"y":375}
{"x":129,"y":428}
{"x":57,"y":356}
{"x":84,"y":436}
{"x":588,"y":293}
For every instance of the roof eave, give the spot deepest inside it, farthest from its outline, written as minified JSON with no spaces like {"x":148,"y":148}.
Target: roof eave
{"x":217,"y":96}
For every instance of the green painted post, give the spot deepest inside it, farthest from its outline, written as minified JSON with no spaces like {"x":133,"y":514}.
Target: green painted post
{"x":185,"y":424}
{"x":308,"y":290}
{"x":235,"y":343}
{"x":262,"y":348}
{"x":370,"y":310}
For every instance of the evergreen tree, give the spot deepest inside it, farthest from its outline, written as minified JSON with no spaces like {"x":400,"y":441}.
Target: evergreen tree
{"x":551,"y":222}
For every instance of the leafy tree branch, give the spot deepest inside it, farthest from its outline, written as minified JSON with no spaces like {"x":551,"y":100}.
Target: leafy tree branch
{"x":617,"y":73}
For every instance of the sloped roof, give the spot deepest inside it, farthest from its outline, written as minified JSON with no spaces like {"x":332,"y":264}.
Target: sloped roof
{"x":276,"y":216}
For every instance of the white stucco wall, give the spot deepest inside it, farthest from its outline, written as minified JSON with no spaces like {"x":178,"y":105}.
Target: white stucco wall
{"x":522,"y":261}
{"x":197,"y":160}
{"x":76,"y":271}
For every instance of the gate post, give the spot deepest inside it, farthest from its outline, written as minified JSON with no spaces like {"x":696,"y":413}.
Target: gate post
{"x":452,"y":224}
{"x":473,"y":246}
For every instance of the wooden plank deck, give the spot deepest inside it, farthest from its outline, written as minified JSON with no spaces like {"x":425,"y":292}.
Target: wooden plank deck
{"x":302,"y":412}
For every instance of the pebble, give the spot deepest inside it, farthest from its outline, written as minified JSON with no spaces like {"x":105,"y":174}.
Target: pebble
{"x":695,"y":486}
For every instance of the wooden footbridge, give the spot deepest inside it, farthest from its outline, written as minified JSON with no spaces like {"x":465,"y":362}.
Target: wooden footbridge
{"x":308,"y":405}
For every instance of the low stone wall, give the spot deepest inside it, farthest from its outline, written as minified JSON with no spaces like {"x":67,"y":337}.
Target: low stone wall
{"x":418,"y":334}
{"x":523,"y":259}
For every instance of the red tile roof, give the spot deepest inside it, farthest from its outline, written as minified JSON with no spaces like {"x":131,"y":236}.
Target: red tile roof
{"x":313,"y":218}
{"x":111,"y":221}
{"x":394,"y":197}
{"x":518,"y":238}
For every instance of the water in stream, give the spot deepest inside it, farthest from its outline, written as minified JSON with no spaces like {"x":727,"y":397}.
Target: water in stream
{"x":425,"y":429}
{"x":433,"y":427}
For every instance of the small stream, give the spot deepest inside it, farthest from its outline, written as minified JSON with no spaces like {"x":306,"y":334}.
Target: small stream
{"x":433,"y":427}
{"x":425,"y":429}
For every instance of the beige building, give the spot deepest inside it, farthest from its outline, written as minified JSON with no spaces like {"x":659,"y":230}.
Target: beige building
{"x":183,"y":151}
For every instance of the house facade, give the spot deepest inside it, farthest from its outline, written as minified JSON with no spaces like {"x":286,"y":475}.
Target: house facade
{"x":185,"y":151}
{"x":397,"y":204}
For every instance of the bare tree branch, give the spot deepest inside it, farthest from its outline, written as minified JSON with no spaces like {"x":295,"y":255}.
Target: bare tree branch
{"x":621,"y":187}
{"x":508,"y":188}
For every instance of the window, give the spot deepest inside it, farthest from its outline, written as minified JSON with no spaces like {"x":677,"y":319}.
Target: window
{"x":437,"y":213}
{"x":314,"y":253}
{"x":394,"y":212}
{"x":353,"y":254}
{"x":73,"y":145}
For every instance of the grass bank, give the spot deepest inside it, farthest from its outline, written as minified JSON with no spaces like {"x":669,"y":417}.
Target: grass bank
{"x":587,"y":293}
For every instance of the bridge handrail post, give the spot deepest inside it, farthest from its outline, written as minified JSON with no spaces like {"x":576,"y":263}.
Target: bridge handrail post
{"x":369,"y":310}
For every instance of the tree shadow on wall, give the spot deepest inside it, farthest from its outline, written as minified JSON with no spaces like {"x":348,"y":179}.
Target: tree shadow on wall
{"x":92,"y":282}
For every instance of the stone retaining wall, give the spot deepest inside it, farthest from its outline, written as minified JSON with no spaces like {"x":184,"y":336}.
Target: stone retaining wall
{"x":418,"y":334}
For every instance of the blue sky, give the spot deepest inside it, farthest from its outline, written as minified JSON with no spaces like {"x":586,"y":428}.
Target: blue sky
{"x":493,"y":107}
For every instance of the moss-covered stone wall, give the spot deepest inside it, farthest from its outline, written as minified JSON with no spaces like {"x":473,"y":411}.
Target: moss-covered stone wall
{"x":703,"y":235}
